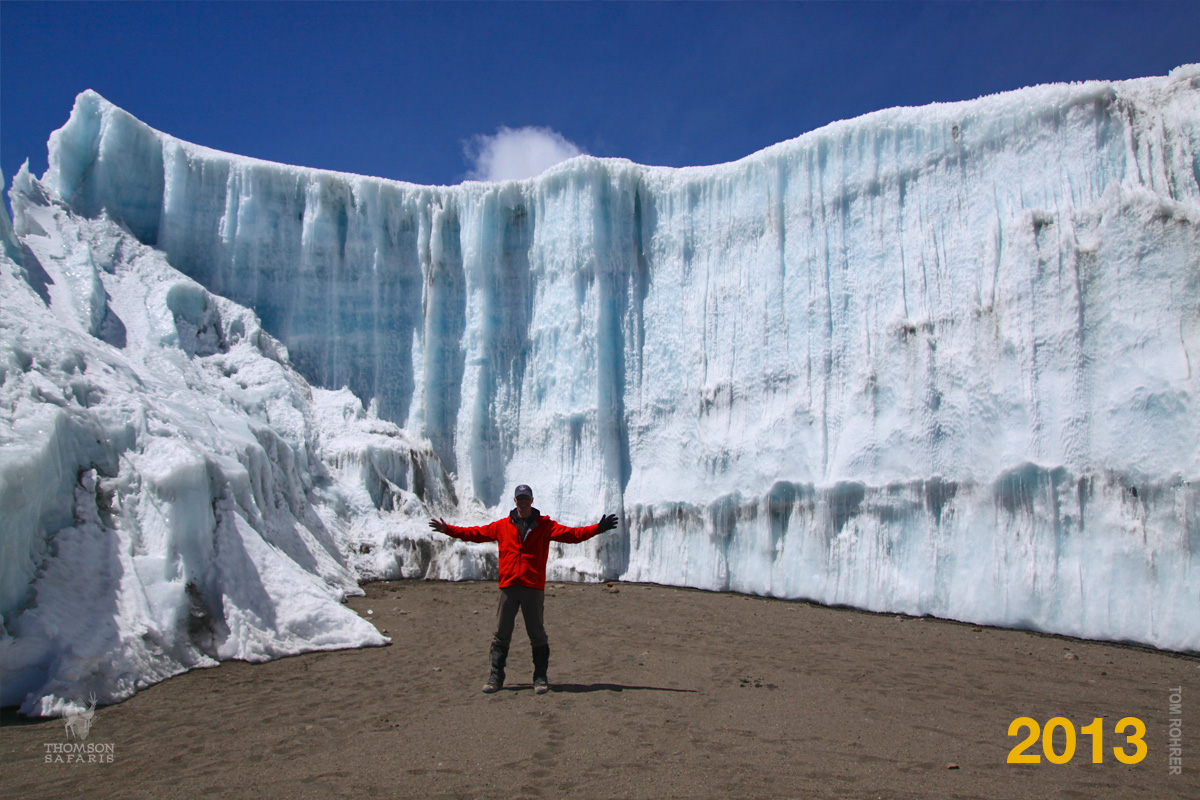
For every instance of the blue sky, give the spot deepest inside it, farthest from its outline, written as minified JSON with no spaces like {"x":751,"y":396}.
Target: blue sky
{"x":404,"y":90}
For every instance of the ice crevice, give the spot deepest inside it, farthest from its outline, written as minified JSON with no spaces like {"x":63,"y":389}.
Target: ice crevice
{"x":931,"y":360}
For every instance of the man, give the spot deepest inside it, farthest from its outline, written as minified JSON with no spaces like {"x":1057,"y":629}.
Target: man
{"x":524,"y":538}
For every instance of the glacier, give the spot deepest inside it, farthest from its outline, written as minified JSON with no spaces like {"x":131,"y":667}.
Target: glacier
{"x":928,"y":361}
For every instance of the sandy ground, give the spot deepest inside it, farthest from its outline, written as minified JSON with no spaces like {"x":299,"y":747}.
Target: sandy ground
{"x":657,"y":693}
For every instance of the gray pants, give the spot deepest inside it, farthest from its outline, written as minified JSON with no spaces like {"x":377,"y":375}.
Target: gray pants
{"x":531,"y":602}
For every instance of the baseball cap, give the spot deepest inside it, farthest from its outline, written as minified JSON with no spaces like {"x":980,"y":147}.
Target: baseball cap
{"x":523,"y":491}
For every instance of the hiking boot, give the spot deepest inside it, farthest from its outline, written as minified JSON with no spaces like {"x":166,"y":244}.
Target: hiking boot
{"x":541,"y":660}
{"x":495,"y":681}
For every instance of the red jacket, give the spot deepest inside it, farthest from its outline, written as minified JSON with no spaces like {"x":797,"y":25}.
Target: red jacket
{"x":523,"y":563}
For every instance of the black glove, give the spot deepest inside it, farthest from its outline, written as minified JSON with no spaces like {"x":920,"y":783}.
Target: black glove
{"x":607,"y":523}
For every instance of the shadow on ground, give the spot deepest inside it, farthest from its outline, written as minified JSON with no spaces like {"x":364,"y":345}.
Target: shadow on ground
{"x":581,"y":688}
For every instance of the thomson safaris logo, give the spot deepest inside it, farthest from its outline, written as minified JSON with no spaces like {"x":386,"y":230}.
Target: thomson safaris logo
{"x":77,"y":725}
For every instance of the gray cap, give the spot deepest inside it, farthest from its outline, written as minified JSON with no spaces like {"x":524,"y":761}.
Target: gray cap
{"x":523,"y":491}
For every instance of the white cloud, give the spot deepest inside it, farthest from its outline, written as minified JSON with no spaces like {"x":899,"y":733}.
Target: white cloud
{"x":516,"y":153}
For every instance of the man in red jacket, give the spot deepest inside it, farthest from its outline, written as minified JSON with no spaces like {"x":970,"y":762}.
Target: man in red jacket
{"x":524,"y":538}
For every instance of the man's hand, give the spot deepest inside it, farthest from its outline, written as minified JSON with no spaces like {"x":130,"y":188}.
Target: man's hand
{"x":607,"y":523}
{"x":438,"y":525}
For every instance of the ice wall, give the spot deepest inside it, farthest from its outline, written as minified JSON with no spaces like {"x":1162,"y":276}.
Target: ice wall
{"x":931,"y":360}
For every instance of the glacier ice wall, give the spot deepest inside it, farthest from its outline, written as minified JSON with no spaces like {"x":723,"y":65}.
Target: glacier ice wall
{"x":932,"y":360}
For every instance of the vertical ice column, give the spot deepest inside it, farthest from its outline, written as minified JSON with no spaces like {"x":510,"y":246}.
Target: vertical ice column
{"x":396,"y":296}
{"x":377,"y":307}
{"x":623,"y":226}
{"x":444,"y":311}
{"x":505,"y":288}
{"x":313,"y":341}
{"x":261,"y":236}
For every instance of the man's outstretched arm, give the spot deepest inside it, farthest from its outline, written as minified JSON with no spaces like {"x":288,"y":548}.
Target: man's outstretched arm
{"x":483,"y":534}
{"x":567,"y":535}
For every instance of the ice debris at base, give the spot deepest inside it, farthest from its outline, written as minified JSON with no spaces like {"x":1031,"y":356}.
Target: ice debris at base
{"x":932,"y":360}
